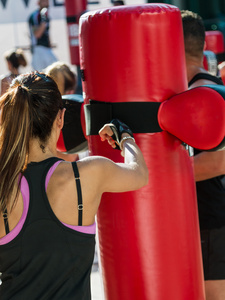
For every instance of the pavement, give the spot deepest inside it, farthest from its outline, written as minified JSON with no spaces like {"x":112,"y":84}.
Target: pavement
{"x":96,"y":284}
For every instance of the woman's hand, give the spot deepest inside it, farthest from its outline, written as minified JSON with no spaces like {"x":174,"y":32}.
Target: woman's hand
{"x":106,"y":133}
{"x":116,"y":132}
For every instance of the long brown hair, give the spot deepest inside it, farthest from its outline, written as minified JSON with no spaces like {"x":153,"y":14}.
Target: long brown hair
{"x":28,"y":110}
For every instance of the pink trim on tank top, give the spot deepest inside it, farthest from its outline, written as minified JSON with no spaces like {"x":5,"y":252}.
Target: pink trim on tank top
{"x":16,"y":230}
{"x":91,"y":229}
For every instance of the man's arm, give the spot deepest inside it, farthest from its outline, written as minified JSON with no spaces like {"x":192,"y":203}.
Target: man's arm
{"x":209,"y":164}
{"x":39,"y":30}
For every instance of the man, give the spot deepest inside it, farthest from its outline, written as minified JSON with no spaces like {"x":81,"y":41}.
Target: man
{"x":209,"y":168}
{"x":42,"y":55}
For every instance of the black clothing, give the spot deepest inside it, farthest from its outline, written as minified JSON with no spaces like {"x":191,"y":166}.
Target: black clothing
{"x":46,"y":260}
{"x":213,"y":254}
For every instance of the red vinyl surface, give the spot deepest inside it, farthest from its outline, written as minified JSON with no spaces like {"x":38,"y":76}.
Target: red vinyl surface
{"x":74,"y":8}
{"x":60,"y":143}
{"x":214,"y":41}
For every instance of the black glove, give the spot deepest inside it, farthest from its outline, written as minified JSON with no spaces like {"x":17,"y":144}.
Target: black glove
{"x":118,"y":128}
{"x":44,"y":14}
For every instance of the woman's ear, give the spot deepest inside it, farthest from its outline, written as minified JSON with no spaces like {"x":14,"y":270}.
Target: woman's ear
{"x":60,"y":118}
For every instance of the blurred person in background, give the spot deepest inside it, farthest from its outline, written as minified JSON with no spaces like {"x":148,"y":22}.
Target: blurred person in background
{"x":14,"y":59}
{"x":39,"y":22}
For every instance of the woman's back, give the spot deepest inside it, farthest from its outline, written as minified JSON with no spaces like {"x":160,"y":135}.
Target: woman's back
{"x":46,"y":258}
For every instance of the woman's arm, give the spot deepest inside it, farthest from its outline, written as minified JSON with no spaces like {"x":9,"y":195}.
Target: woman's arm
{"x":121,"y":177}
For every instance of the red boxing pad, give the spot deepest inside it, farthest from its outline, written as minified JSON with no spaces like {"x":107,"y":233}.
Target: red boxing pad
{"x":214,"y":41}
{"x":149,"y":239}
{"x":197,"y":117}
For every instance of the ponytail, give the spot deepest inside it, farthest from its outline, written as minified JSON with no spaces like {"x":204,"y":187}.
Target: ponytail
{"x":27,"y":110}
{"x":15,"y":132}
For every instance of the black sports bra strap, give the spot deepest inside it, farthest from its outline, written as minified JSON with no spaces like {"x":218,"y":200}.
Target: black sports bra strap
{"x":5,"y":217}
{"x":79,"y":194}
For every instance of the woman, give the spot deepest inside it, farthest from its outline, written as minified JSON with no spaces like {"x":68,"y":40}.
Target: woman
{"x":14,"y":59}
{"x":47,"y":205}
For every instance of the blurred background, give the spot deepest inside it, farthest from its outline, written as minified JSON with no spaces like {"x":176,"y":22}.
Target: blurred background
{"x":14,"y":31}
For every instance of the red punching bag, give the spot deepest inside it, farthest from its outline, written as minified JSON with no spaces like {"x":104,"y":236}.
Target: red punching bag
{"x":74,"y":8}
{"x":149,"y":239}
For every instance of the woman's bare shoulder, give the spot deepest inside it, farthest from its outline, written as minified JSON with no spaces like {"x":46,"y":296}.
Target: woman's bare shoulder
{"x":63,"y":173}
{"x":65,"y":169}
{"x":90,"y":170}
{"x":93,"y":163}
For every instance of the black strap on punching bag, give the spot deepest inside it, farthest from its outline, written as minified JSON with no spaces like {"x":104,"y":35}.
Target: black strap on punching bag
{"x":141,"y":117}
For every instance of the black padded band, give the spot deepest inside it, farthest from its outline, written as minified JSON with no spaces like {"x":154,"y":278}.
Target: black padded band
{"x":141,"y":117}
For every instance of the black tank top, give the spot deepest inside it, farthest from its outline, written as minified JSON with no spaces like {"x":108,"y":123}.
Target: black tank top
{"x":210,"y":192}
{"x":46,"y":260}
